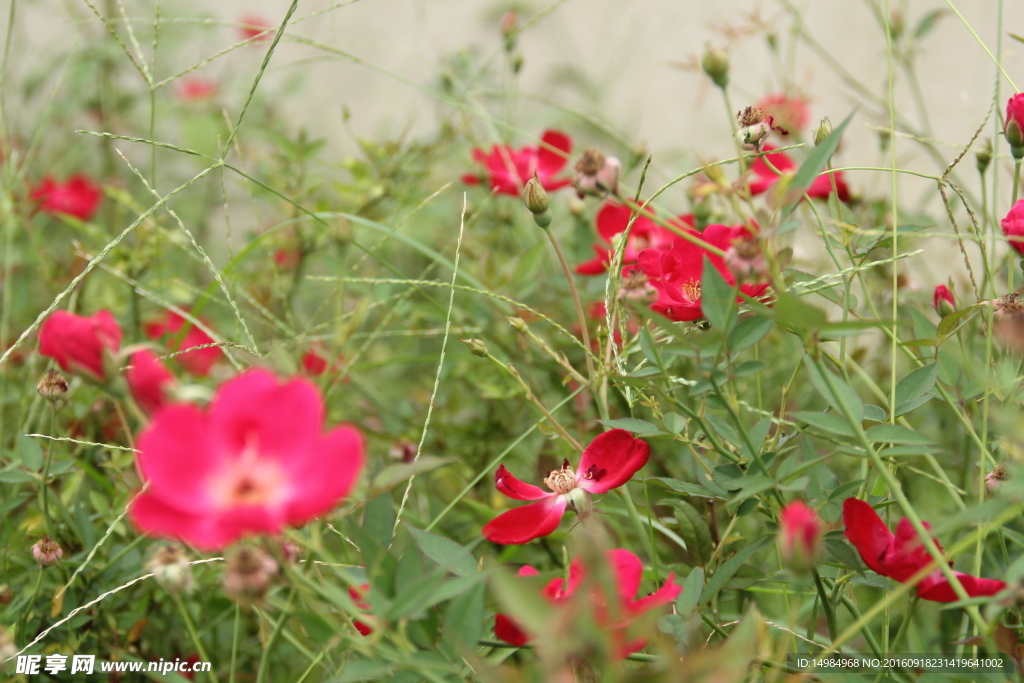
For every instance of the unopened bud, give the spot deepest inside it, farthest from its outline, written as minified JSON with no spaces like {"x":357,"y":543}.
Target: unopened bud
{"x":47,"y":552}
{"x":799,"y":537}
{"x":248,"y":574}
{"x":896,"y":23}
{"x":716,"y":65}
{"x":169,"y":566}
{"x":476,"y":347}
{"x":943,"y":300}
{"x":823,"y":131}
{"x":984,"y":155}
{"x":53,"y":385}
{"x":518,"y":324}
{"x":535,"y":196}
{"x":995,"y":479}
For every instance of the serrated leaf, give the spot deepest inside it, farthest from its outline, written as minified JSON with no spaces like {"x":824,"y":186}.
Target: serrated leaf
{"x":632,"y":424}
{"x":30,"y":452}
{"x":843,"y":553}
{"x":717,"y":298}
{"x":445,"y":552}
{"x":694,"y":530}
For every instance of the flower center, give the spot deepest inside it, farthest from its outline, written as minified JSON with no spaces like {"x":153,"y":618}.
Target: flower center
{"x":691,"y":290}
{"x":561,"y":481}
{"x":250,"y":480}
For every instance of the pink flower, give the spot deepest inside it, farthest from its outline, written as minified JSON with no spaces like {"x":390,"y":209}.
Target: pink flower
{"x":800,"y":538}
{"x":253,"y":462}
{"x":901,"y":556}
{"x":611,"y":220}
{"x":607,"y":463}
{"x":78,"y":196}
{"x":1014,"y":126}
{"x":196,"y":362}
{"x":195,"y":89}
{"x":627,"y":571}
{"x":79,"y":343}
{"x":764,"y":177}
{"x":47,"y":552}
{"x":148,"y":380}
{"x":508,"y":169}
{"x":942,"y":294}
{"x":789,"y":112}
{"x":676,"y":272}
{"x":1013,"y":226}
{"x":252,"y":25}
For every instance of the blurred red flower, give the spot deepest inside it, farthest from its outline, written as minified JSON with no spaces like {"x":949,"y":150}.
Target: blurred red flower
{"x":508,"y":169}
{"x":357,"y":596}
{"x":78,"y":196}
{"x":316,"y":360}
{"x":148,"y":379}
{"x":195,"y":89}
{"x":253,"y":462}
{"x":78,"y":343}
{"x":1013,"y":226}
{"x":789,"y":111}
{"x":252,"y":25}
{"x":612,"y":219}
{"x":196,"y":362}
{"x":800,"y":537}
{"x":764,"y":177}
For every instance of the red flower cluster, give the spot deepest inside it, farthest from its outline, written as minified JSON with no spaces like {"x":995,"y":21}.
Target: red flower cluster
{"x":253,"y":462}
{"x":196,"y":362}
{"x":77,"y":196}
{"x":607,"y":463}
{"x":627,"y":571}
{"x":676,"y":271}
{"x":612,"y":219}
{"x":509,"y":169}
{"x":902,"y":555}
{"x":764,"y":177}
{"x":79,"y":343}
{"x":1013,"y":224}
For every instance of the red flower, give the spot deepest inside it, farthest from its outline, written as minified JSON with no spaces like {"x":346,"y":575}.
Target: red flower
{"x":1013,"y":225}
{"x":252,"y":25}
{"x":286,"y":259}
{"x":255,"y":461}
{"x":78,"y":343}
{"x":764,"y":177}
{"x":196,"y":362}
{"x":788,"y":112}
{"x":607,"y":463}
{"x":357,"y":597}
{"x":195,"y":89}
{"x":78,"y":196}
{"x":901,"y":556}
{"x":942,"y":293}
{"x":677,"y":272}
{"x":508,"y":169}
{"x":627,"y":571}
{"x":800,"y":540}
{"x":1014,"y":126}
{"x":316,"y":361}
{"x":611,"y":220}
{"x":147,"y":379}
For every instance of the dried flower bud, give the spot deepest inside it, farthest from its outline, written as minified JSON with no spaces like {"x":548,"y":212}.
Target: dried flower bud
{"x":716,"y":65}
{"x":745,"y":259}
{"x":248,"y":574}
{"x":984,"y":155}
{"x":1009,"y":304}
{"x":896,"y":23}
{"x":597,"y":175}
{"x":402,"y":451}
{"x":535,"y":197}
{"x":823,"y":131}
{"x":476,"y":347}
{"x":637,"y":287}
{"x":169,"y":566}
{"x":995,"y":479}
{"x":754,"y":128}
{"x":47,"y":552}
{"x":53,"y":385}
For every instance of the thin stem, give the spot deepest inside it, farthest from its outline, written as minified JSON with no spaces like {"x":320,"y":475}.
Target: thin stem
{"x":579,"y":305}
{"x":1016,"y":180}
{"x":193,"y":634}
{"x":261,"y":675}
{"x":234,"y":644}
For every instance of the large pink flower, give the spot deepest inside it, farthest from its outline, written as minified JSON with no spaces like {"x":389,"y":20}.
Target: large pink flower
{"x":612,"y":219}
{"x":77,"y":196}
{"x":607,"y":463}
{"x":78,"y":343}
{"x":627,"y":570}
{"x":253,"y":462}
{"x":509,"y":169}
{"x":902,"y":555}
{"x":677,"y":272}
{"x":763,"y":176}
{"x":196,"y":362}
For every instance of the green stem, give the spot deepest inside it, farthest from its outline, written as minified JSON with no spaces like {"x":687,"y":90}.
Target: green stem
{"x":1016,"y":180}
{"x":261,"y":676}
{"x":194,"y":635}
{"x":234,"y":644}
{"x":579,"y":305}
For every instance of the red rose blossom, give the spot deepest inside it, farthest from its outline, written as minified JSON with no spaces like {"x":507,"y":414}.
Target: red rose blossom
{"x":901,"y":556}
{"x":800,"y":537}
{"x":942,"y":293}
{"x":77,"y":196}
{"x":196,"y":362}
{"x":1014,"y":126}
{"x":1013,"y":226}
{"x":607,"y":463}
{"x":612,"y":219}
{"x":764,"y":177}
{"x":509,"y":169}
{"x":627,"y":571}
{"x":789,"y":112}
{"x":253,"y":462}
{"x":195,"y":89}
{"x":148,"y":380}
{"x":676,"y":272}
{"x":78,"y":343}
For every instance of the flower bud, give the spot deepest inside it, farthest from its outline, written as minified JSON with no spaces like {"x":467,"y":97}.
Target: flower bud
{"x":596,"y":174}
{"x":943,"y":300}
{"x":823,"y":131}
{"x":169,"y":566}
{"x":995,"y":479}
{"x":799,"y":537}
{"x":248,"y":574}
{"x":896,"y":24}
{"x":518,"y":324}
{"x":476,"y":347}
{"x":47,"y":552}
{"x":52,"y":386}
{"x":754,"y":129}
{"x":1014,"y":127}
{"x":715,"y":64}
{"x":984,"y":155}
{"x":535,"y":197}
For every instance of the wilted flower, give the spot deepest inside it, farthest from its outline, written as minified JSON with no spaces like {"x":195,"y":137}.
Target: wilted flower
{"x":47,"y":552}
{"x":1013,"y":225}
{"x":754,"y":128}
{"x":80,"y":344}
{"x":745,"y":260}
{"x":607,"y":463}
{"x":197,"y":362}
{"x":799,"y":537}
{"x":148,"y":380}
{"x":169,"y":566}
{"x":509,"y":169}
{"x":53,"y":385}
{"x":788,"y":111}
{"x":402,"y":451}
{"x":995,"y":478}
{"x":78,"y":196}
{"x":248,"y":573}
{"x":597,"y":175}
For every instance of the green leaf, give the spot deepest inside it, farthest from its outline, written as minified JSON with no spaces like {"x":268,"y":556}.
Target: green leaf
{"x":927,"y":23}
{"x":723,"y":429}
{"x":393,"y":475}
{"x":379,"y":519}
{"x":463,"y":622}
{"x":30,"y":452}
{"x":689,"y":600}
{"x":835,"y":390}
{"x":915,"y":384}
{"x":687,"y":488}
{"x":749,"y":331}
{"x":874,"y":413}
{"x":897,"y":434}
{"x":843,"y":553}
{"x":632,"y":424}
{"x":816,"y":162}
{"x":791,"y":310}
{"x":950,"y":322}
{"x":445,"y":552}
{"x":731,"y":566}
{"x":826,"y":421}
{"x":717,"y":298}
{"x":694,"y":531}
{"x":674,"y":422}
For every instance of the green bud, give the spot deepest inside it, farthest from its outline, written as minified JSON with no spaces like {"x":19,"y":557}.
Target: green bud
{"x":823,"y":131}
{"x":517,"y":324}
{"x":1014,"y":134}
{"x":542,"y":219}
{"x":716,"y":65}
{"x":476,"y":347}
{"x":535,"y":196}
{"x":984,"y":155}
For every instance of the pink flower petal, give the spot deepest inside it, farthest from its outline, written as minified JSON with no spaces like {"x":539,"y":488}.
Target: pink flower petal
{"x":176,"y":455}
{"x":153,"y":516}
{"x":550,"y":162}
{"x":629,"y":571}
{"x":514,"y":488}
{"x":330,"y":476}
{"x":523,"y":524}
{"x":610,"y":460}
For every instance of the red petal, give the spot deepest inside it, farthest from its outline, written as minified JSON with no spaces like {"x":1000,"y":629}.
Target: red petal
{"x":663,"y":596}
{"x":508,"y":630}
{"x":550,"y":162}
{"x":611,"y":460}
{"x":523,"y":524}
{"x":177,"y":457}
{"x":329,"y":477}
{"x":597,"y":265}
{"x":936,"y":588}
{"x":628,"y":573}
{"x":612,"y":219}
{"x":470,"y":179}
{"x":514,"y":488}
{"x":867,"y":532}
